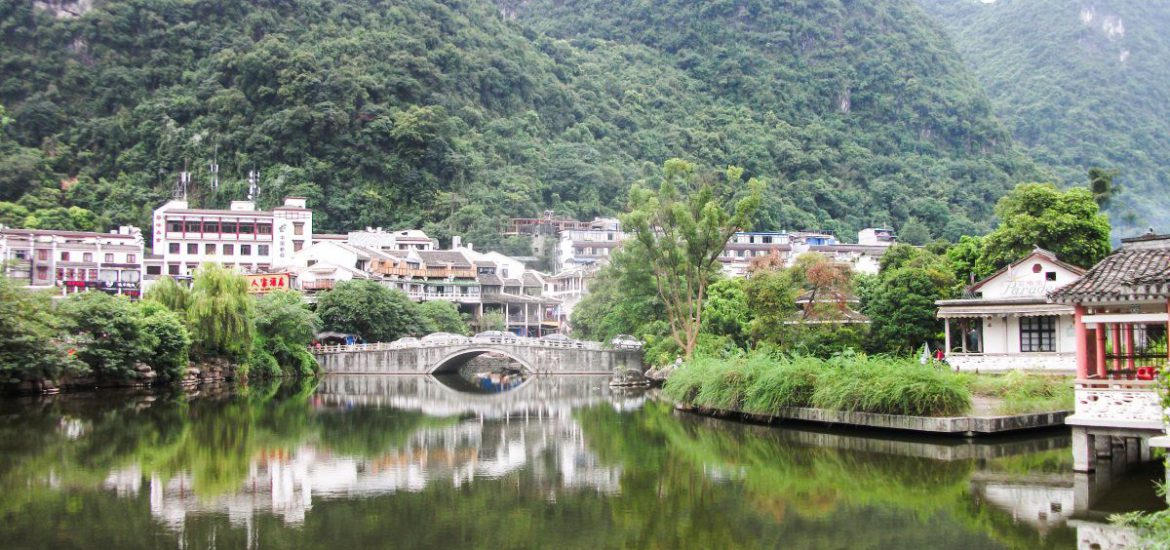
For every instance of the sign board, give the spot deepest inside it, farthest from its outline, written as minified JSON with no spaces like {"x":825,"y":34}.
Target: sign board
{"x":261,"y":283}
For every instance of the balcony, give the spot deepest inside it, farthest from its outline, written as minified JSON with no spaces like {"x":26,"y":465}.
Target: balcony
{"x":319,"y":284}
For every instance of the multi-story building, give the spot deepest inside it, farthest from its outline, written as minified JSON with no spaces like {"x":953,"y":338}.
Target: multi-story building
{"x":74,"y":261}
{"x":241,"y":237}
{"x":583,"y":246}
{"x":548,"y":225}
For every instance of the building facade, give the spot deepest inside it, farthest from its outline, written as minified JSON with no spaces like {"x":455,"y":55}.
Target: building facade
{"x":75,"y":261}
{"x":242,"y":237}
{"x":1006,"y":322}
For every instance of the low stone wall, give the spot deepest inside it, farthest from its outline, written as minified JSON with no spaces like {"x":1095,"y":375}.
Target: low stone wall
{"x":1063,"y":363}
{"x":956,"y":425}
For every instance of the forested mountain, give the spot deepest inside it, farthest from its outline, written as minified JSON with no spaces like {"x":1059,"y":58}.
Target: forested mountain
{"x":1081,"y":84}
{"x":454,"y":114}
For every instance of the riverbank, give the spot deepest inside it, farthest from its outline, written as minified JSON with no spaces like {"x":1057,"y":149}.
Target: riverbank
{"x":872,"y":392}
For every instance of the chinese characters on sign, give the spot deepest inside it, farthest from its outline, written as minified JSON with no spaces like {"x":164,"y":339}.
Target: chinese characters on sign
{"x":267,"y":282}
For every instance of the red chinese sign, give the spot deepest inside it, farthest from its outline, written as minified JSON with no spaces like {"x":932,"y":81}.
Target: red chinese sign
{"x":267,"y":282}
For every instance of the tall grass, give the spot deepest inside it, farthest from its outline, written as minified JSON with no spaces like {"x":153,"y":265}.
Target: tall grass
{"x":1020,"y":392}
{"x":764,"y":385}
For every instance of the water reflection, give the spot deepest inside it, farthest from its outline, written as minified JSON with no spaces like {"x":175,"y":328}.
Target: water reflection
{"x":355,"y":461}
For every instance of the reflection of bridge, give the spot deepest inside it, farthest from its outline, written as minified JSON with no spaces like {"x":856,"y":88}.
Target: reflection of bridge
{"x":447,"y":355}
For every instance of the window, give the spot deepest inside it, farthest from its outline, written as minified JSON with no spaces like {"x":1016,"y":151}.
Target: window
{"x":154,"y":270}
{"x":173,"y":269}
{"x":298,"y":228}
{"x":211,"y":227}
{"x":60,"y":274}
{"x":209,"y":249}
{"x":109,"y":257}
{"x":298,"y":245}
{"x":87,"y":257}
{"x":193,"y":227}
{"x":262,"y":250}
{"x":131,"y":258}
{"x":228,"y":227}
{"x":173,"y":248}
{"x":767,"y":240}
{"x":43,"y":256}
{"x":130,"y":276}
{"x":175,"y":226}
{"x":21,"y":254}
{"x":43,"y":272}
{"x":247,"y":229}
{"x":92,"y":275}
{"x":1037,"y":334}
{"x":192,"y":248}
{"x":245,"y":250}
{"x":264,"y":228}
{"x":64,"y":256}
{"x":1050,"y":276}
{"x":229,"y":249}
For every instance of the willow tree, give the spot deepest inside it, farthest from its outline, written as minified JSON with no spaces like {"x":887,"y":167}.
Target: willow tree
{"x":220,"y":313}
{"x":169,"y":293}
{"x":683,"y":228}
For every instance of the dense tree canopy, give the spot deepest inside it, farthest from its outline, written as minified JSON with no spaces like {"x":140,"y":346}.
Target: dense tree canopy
{"x":369,"y":310}
{"x":1066,"y":223}
{"x":453,"y":115}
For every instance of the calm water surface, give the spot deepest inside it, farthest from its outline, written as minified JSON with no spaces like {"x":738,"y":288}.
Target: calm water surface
{"x":412,"y":462}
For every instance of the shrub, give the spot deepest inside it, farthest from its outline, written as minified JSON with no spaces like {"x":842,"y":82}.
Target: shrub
{"x":110,"y":334}
{"x":786,"y":383}
{"x":169,"y":358}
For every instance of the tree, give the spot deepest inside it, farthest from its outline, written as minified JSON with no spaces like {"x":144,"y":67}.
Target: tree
{"x":370,"y":310}
{"x":622,"y":299}
{"x":284,"y":330}
{"x":914,"y":232}
{"x":683,"y":229}
{"x":110,"y":334}
{"x":900,"y":305}
{"x":726,"y":311}
{"x":771,"y":295}
{"x":169,"y":357}
{"x":32,"y":343}
{"x":1102,"y":187}
{"x":1068,"y":223}
{"x":168,"y":292}
{"x":439,"y":316}
{"x":220,"y":313}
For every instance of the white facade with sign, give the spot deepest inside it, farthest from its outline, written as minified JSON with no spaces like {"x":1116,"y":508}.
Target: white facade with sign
{"x":1007,"y":323}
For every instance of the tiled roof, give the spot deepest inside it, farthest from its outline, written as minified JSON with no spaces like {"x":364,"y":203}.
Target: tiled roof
{"x":442,"y":257}
{"x":530,"y":279}
{"x":1125,"y":275}
{"x":489,"y":279}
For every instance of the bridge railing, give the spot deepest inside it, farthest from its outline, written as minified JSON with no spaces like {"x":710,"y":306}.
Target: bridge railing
{"x":490,"y":340}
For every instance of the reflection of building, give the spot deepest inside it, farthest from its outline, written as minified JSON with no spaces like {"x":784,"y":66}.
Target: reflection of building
{"x":74,"y":261}
{"x":1008,"y":324}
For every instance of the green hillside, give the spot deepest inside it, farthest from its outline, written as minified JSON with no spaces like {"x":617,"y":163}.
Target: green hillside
{"x":1080,"y":84}
{"x":452,"y":115}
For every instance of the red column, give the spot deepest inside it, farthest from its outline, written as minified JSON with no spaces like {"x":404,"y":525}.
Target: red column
{"x":1100,"y":350}
{"x":1129,"y":360}
{"x":1116,"y":330}
{"x":1082,"y":340}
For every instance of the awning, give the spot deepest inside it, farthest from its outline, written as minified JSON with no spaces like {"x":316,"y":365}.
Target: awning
{"x":1015,"y":310}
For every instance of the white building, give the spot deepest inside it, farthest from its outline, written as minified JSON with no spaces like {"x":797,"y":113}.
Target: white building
{"x":404,"y":239}
{"x":576,"y":247}
{"x":1007,"y":322}
{"x":242,"y":237}
{"x":74,"y":261}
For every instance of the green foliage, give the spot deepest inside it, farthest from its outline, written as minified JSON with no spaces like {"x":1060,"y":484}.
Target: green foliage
{"x":110,"y":334}
{"x":771,"y":295}
{"x":169,"y":357}
{"x":622,"y":299}
{"x":493,"y":320}
{"x":901,"y":304}
{"x":914,"y":232}
{"x":683,"y":227}
{"x":33,"y":344}
{"x":284,"y":329}
{"x":168,"y":292}
{"x":370,"y":310}
{"x":760,"y":384}
{"x":1020,"y":392}
{"x":1067,"y":223}
{"x":439,"y":316}
{"x":1076,"y":93}
{"x":726,"y":310}
{"x":451,"y":116}
{"x":220,"y":313}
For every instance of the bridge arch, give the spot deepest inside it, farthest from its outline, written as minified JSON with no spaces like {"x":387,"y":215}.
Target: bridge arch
{"x":452,"y":361}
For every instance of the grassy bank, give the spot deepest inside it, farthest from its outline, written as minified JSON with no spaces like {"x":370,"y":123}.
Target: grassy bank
{"x":761,"y":384}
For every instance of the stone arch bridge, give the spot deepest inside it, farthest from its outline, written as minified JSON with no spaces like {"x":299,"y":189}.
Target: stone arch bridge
{"x":447,"y":355}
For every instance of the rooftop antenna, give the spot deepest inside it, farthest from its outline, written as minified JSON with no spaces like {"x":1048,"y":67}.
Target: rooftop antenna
{"x":213,"y":168}
{"x":253,"y":184}
{"x":184,"y":183}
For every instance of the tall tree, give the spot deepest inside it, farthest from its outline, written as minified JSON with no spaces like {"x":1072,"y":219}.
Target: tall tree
{"x":1068,"y":223}
{"x":1102,"y":187}
{"x":370,"y":310}
{"x":683,"y":228}
{"x":220,"y":313}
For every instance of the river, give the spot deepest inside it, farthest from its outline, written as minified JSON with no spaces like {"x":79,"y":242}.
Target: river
{"x":559,"y":462}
